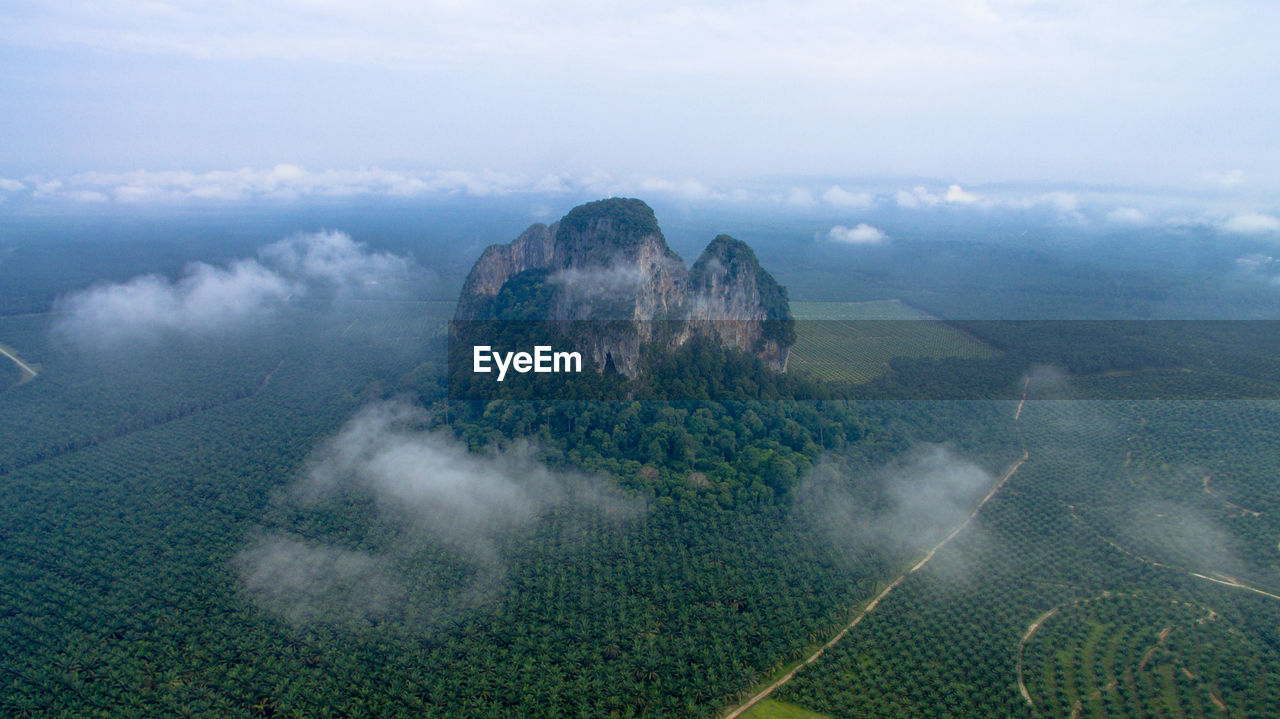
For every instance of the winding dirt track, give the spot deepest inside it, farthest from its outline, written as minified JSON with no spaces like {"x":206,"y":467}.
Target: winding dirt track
{"x":764,"y":693}
{"x":1022,"y":685}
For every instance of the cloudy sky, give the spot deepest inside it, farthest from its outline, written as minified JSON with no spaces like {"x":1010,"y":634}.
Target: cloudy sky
{"x":1120,"y":92}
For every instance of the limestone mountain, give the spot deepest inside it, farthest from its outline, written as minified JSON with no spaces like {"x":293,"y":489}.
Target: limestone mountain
{"x":605,"y":277}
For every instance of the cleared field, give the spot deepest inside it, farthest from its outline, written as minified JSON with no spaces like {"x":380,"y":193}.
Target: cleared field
{"x":854,"y":341}
{"x":771,"y":709}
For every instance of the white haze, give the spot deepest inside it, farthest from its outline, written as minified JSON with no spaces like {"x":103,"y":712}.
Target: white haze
{"x":863,"y":234}
{"x":207,"y":299}
{"x":914,"y":501}
{"x":1182,"y":535}
{"x":600,"y":282}
{"x":304,"y":581}
{"x":433,"y":493}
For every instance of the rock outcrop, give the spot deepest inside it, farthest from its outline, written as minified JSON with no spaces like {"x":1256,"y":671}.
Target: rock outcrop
{"x":605,"y":276}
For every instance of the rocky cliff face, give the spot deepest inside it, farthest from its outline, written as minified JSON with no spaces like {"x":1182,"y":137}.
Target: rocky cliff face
{"x":733,"y":301}
{"x":534,"y":249}
{"x":606,"y":276}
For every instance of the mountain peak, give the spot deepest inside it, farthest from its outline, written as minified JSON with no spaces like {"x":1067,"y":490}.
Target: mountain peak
{"x":608,"y":260}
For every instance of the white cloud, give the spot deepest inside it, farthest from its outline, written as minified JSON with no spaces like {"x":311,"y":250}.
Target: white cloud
{"x":922,"y":495}
{"x":10,"y":185}
{"x":304,"y":581}
{"x":689,"y":188}
{"x":429,"y":491}
{"x":919,"y":196}
{"x":599,"y":282}
{"x":840,"y":197}
{"x":1127,"y":216}
{"x":46,"y":188}
{"x":284,"y":181}
{"x":333,"y":257}
{"x":205,"y":299}
{"x":957,"y":195}
{"x":863,"y":234}
{"x":208,"y":299}
{"x":1064,"y":202}
{"x":1252,"y":223}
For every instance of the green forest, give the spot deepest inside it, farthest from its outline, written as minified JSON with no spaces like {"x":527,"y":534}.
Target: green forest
{"x":232,"y":524}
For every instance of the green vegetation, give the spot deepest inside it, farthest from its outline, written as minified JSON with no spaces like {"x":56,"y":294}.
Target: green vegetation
{"x":1140,"y":535}
{"x":1109,"y":523}
{"x":770,"y":709}
{"x":1148,"y":655}
{"x":626,"y":220}
{"x":855,"y":342}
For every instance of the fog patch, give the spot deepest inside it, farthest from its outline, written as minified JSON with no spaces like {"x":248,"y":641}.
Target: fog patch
{"x":449,"y":521}
{"x":898,"y":510}
{"x":1046,"y":382}
{"x":208,"y":299}
{"x":600,"y":282}
{"x":1184,"y":536}
{"x":1252,"y":223}
{"x":304,"y":581}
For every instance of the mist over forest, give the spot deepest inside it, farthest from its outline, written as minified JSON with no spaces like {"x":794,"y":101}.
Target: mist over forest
{"x":236,"y":484}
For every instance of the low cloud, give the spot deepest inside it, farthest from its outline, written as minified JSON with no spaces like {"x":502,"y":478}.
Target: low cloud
{"x":957,"y":194}
{"x":600,"y":282}
{"x":920,"y":196}
{"x":303,"y":582}
{"x":901,"y":508}
{"x":333,"y":257}
{"x":429,"y":493}
{"x":863,"y":234}
{"x":279,"y":182}
{"x":1127,"y":216}
{"x":917,"y":197}
{"x":209,"y":299}
{"x":1064,"y":202}
{"x":840,"y":197}
{"x":11,"y":185}
{"x":1252,"y":223}
{"x":1182,"y":535}
{"x":688,"y":189}
{"x":206,"y":299}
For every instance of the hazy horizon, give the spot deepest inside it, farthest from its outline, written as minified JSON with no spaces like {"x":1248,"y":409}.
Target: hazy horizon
{"x":700,"y":100}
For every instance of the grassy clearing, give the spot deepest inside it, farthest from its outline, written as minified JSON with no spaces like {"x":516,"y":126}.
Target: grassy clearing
{"x":854,"y":341}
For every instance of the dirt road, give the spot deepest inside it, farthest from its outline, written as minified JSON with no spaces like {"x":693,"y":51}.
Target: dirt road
{"x":27,"y":372}
{"x":763,"y":694}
